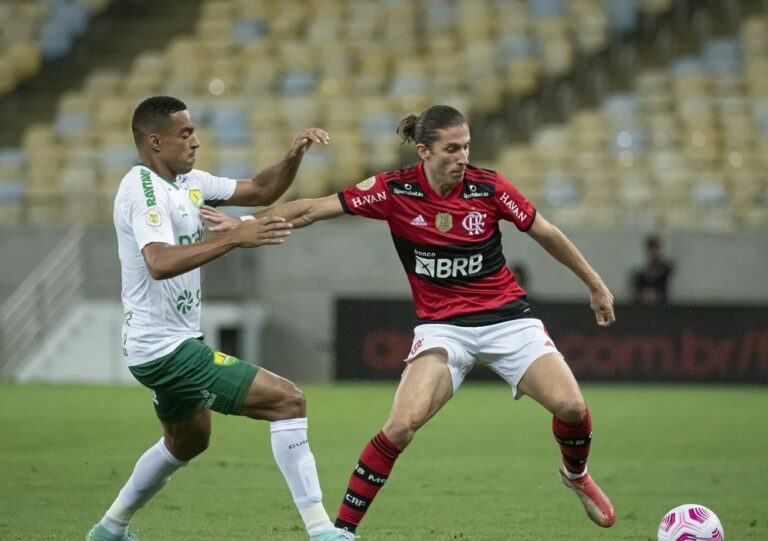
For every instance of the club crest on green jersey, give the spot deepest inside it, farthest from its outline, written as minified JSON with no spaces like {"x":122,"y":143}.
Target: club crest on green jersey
{"x":196,"y":196}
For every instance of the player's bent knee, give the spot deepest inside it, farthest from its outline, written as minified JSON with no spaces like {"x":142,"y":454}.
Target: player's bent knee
{"x":570,"y":409}
{"x":402,"y":431}
{"x":292,"y":405}
{"x":187,"y":446}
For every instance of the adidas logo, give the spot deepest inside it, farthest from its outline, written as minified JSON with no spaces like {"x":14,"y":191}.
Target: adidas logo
{"x":419,"y":220}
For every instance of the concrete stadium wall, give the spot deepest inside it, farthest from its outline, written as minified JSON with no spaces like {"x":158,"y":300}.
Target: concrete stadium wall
{"x":21,"y":249}
{"x":299,"y":281}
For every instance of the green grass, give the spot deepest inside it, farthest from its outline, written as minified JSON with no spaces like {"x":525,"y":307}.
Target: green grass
{"x":484,"y":469}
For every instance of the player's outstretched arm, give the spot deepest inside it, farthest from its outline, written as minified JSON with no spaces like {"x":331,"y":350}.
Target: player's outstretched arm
{"x":299,"y":213}
{"x":166,"y":261}
{"x":266,"y":187}
{"x":561,"y":248}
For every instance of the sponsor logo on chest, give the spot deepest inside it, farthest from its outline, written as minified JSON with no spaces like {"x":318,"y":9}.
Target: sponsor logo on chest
{"x":428,"y":264}
{"x":473,"y":191}
{"x":405,"y":189}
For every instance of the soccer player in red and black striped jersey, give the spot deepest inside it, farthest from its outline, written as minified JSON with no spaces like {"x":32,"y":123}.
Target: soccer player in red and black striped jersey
{"x":444,"y":217}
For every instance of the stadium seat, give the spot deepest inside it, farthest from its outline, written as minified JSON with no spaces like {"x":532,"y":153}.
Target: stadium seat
{"x":254,"y":72}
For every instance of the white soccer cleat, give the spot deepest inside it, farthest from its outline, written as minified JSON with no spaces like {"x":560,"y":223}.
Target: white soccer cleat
{"x":337,"y":534}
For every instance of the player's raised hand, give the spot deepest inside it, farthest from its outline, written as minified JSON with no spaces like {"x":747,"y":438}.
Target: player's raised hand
{"x":262,"y":231}
{"x":220,"y":221}
{"x":601,"y":302}
{"x":304,"y":140}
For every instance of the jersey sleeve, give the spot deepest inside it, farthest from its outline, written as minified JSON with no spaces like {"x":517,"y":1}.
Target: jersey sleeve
{"x":513,"y":205}
{"x":215,"y":189}
{"x":368,"y":198}
{"x":150,"y":223}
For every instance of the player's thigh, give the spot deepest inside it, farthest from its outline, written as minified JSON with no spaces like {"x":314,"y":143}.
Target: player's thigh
{"x":272,"y":398}
{"x":550,"y":382}
{"x":194,"y":378}
{"x":425,"y":387}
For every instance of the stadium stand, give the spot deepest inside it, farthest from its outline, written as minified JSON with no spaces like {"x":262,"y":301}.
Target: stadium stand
{"x":682,"y":146}
{"x":34,"y":31}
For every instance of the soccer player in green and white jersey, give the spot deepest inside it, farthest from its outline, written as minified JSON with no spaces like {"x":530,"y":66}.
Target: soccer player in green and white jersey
{"x":160,"y":244}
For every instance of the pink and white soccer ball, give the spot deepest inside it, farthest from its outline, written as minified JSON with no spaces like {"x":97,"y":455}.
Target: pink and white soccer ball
{"x":691,"y":522}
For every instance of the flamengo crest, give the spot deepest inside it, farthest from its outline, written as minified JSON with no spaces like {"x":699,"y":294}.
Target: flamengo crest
{"x":474,"y":222}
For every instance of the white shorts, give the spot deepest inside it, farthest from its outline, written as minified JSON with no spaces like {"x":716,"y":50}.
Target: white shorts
{"x":507,"y":348}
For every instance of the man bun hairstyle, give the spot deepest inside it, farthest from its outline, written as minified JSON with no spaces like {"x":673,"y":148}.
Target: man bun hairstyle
{"x":423,"y":128}
{"x":152,"y":115}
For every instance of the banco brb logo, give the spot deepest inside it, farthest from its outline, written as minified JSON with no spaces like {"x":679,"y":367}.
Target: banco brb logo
{"x":428,"y":264}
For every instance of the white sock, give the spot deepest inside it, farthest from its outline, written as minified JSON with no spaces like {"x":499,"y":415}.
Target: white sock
{"x":294,"y":458}
{"x":574,"y":476}
{"x":152,"y":472}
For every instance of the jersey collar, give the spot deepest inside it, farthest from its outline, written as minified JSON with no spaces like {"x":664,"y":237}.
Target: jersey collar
{"x":171,"y":182}
{"x":428,"y":188}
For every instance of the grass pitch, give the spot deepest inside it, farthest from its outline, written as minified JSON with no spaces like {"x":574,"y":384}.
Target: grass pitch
{"x":484,"y":469}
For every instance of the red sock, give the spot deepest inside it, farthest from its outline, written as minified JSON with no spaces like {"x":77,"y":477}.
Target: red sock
{"x":373,"y":468}
{"x":574,"y":440}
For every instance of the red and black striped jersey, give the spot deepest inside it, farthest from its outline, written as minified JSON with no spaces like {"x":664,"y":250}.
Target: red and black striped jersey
{"x":450,"y":246}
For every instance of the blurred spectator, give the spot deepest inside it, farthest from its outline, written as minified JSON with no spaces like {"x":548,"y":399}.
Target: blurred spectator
{"x":650,"y":281}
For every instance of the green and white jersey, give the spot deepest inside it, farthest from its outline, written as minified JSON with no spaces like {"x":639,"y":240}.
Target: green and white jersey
{"x":161,"y":314}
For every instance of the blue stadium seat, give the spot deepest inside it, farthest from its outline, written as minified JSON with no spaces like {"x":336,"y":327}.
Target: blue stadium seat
{"x":73,"y":16}
{"x":248,"y":30}
{"x":723,"y":56}
{"x":547,"y":9}
{"x":229,"y":123}
{"x":439,"y":16}
{"x":55,"y":41}
{"x":117,"y":158}
{"x":71,"y":123}
{"x":12,"y":161}
{"x":561,"y":189}
{"x":688,"y":65}
{"x":622,"y":15}
{"x":297,"y":83}
{"x":621,"y":109}
{"x":631,"y":138}
{"x":11,"y":192}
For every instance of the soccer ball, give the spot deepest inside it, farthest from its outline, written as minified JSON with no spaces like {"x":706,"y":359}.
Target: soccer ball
{"x":691,"y":522}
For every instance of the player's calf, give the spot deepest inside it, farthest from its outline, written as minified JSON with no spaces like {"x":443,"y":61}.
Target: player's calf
{"x":574,"y":439}
{"x":371,"y":472}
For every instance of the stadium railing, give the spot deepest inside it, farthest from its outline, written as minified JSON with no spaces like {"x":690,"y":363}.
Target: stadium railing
{"x":40,"y":302}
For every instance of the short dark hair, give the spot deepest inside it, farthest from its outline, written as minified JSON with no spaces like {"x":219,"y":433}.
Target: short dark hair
{"x":423,"y":128}
{"x":652,"y":242}
{"x":152,"y":114}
